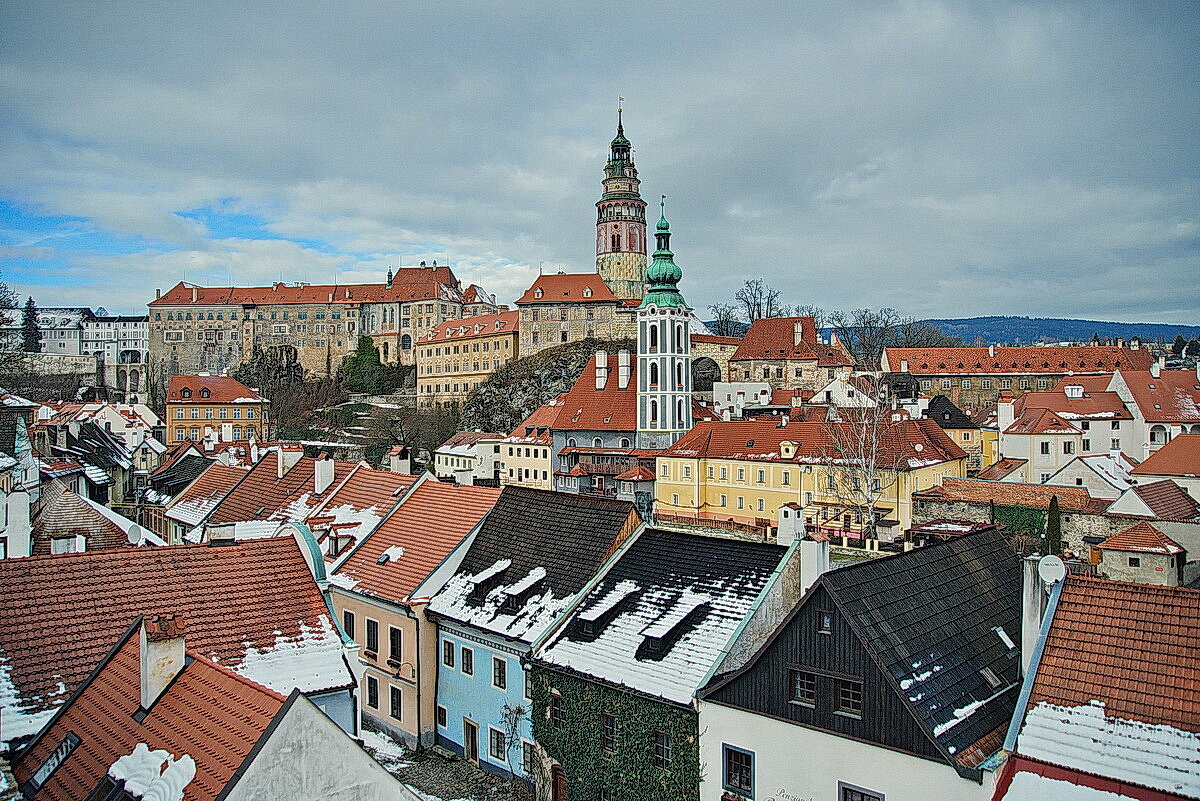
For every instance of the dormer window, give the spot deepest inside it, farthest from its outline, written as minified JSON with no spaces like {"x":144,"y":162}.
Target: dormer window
{"x":587,"y":291}
{"x":537,"y":293}
{"x":185,"y":393}
{"x":204,"y":393}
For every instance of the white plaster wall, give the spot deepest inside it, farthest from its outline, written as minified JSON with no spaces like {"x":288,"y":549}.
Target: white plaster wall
{"x":308,"y":758}
{"x":793,"y":763}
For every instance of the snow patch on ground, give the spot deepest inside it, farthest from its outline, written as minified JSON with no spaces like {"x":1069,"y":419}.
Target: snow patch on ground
{"x":386,"y":751}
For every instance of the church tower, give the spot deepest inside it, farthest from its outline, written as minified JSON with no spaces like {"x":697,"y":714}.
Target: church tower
{"x":664,"y":350}
{"x":621,"y":223}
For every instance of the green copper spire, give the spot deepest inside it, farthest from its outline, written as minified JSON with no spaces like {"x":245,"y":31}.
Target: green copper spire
{"x":663,"y":274}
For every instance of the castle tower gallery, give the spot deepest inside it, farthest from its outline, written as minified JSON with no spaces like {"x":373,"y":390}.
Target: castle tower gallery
{"x":621,"y":223}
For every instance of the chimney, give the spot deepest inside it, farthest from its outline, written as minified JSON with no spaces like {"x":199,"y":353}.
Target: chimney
{"x":162,"y":655}
{"x":1120,"y":342}
{"x":322,"y":474}
{"x":622,"y":369}
{"x":195,"y":294}
{"x":422,"y":265}
{"x":1004,"y":412}
{"x":464,"y":477}
{"x":991,"y":351}
{"x":783,"y":421}
{"x":904,"y":365}
{"x":814,"y":560}
{"x":789,"y":525}
{"x":1033,"y":606}
{"x":798,"y":333}
{"x":601,"y":369}
{"x":287,"y":458}
{"x":157,"y":293}
{"x":1156,"y":367}
{"x":399,"y":460}
{"x":1135,"y":344}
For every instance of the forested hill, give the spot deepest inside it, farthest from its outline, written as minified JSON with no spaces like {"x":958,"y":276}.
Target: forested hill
{"x":1013,"y":330}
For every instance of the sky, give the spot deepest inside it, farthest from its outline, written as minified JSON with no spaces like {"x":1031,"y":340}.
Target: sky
{"x":944,"y":159}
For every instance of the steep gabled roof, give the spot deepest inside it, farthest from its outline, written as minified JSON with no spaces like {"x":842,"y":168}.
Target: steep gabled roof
{"x":461,"y":441}
{"x":585,"y":408}
{"x":663,"y":614}
{"x":1015,"y":360}
{"x":1042,"y":421}
{"x":204,"y":493}
{"x":208,"y":713}
{"x":1115,"y":693}
{"x":1142,"y":538}
{"x":62,"y":513}
{"x":1179,"y":457}
{"x":1167,"y":500}
{"x":393,"y":560}
{"x":253,"y":606}
{"x":526,"y":432}
{"x":998,"y":470}
{"x":567,"y":288}
{"x":263,"y":495}
{"x":1171,"y":397}
{"x":775,"y":338}
{"x":220,"y":389}
{"x":180,"y":473}
{"x":943,"y":412}
{"x":359,"y":503}
{"x":537,"y":548}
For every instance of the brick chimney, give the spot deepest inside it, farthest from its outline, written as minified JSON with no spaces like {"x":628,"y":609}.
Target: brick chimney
{"x":622,"y":369}
{"x":1156,"y":367}
{"x":322,"y":473}
{"x":287,"y":457}
{"x":798,"y":332}
{"x":162,"y":655}
{"x":601,"y":369}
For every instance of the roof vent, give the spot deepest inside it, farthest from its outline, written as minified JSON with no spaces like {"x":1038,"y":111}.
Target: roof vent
{"x":391,"y":554}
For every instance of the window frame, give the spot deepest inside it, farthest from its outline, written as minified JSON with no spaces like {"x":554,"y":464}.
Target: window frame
{"x":662,"y":749}
{"x":734,"y":784}
{"x":395,"y":702}
{"x":841,"y":689}
{"x":466,"y":661}
{"x":796,"y":676}
{"x":499,"y":671}
{"x":372,"y":692}
{"x":448,"y":649}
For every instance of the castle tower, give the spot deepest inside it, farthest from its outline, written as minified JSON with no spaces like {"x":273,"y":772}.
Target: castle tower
{"x":621,"y":223}
{"x":664,"y":350}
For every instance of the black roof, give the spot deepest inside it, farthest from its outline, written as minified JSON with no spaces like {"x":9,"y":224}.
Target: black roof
{"x":568,"y":535}
{"x":8,"y":434}
{"x":943,"y":412}
{"x":183,"y":472}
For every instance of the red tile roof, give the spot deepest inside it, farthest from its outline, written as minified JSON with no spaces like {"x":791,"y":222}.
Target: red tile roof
{"x":1016,"y":360}
{"x":208,"y":713}
{"x":638,"y":473}
{"x":585,"y":408}
{"x":429,"y":523}
{"x":775,"y":338}
{"x":63,"y":612}
{"x":483,"y":325}
{"x":62,"y":513}
{"x":974,"y":490}
{"x":1179,"y":457}
{"x":462,"y":438}
{"x":542,"y":417}
{"x":1168,"y":501}
{"x":568,"y":288}
{"x":1143,"y":538}
{"x":1042,"y":421}
{"x":221,"y":389}
{"x":1133,"y":647}
{"x":359,"y":503}
{"x":713,"y":339}
{"x":1100,"y":405}
{"x":262,"y":495}
{"x":209,"y":488}
{"x":408,"y":283}
{"x":1000,"y":469}
{"x":1173,"y":397}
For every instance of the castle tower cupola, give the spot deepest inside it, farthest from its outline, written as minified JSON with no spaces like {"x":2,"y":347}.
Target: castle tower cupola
{"x":621,"y":221}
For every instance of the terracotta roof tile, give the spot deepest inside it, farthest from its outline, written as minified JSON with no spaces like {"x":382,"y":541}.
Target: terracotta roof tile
{"x":483,"y":325}
{"x":713,"y":339}
{"x":568,"y":288}
{"x":1142,"y":537}
{"x":62,"y":513}
{"x":1133,"y":647}
{"x":209,"y":489}
{"x":209,"y":713}
{"x":1172,"y":397}
{"x":1179,"y":457}
{"x":1000,"y":469}
{"x":408,"y":283}
{"x":63,"y":612}
{"x":974,"y":490}
{"x":542,"y":417}
{"x":221,"y":389}
{"x":1168,"y":500}
{"x":1042,"y":421}
{"x":427,"y":525}
{"x":775,"y":338}
{"x":1029,"y":359}
{"x":263,"y":495}
{"x":585,"y":408}
{"x":1094,"y":405}
{"x":463,"y":438}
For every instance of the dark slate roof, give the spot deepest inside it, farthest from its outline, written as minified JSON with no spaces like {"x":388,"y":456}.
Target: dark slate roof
{"x":180,"y":474}
{"x":935,"y":610}
{"x":943,"y":412}
{"x":688,"y":592}
{"x":527,"y":532}
{"x":8,"y":434}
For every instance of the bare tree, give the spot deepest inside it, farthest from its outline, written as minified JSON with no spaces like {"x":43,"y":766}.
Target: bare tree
{"x":819,"y":315}
{"x":758,"y":300}
{"x":862,"y":461}
{"x":866,"y":332}
{"x":725,"y":320}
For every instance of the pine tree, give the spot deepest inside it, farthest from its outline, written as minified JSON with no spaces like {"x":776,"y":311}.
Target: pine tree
{"x":1178,"y":345}
{"x":363,"y":371}
{"x":31,"y":334}
{"x":1054,"y":544}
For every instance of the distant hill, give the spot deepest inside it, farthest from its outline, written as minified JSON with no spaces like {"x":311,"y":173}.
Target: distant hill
{"x":1013,"y":330}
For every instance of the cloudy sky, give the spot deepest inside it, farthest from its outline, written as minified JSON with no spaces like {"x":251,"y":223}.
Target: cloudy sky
{"x":945,"y":159}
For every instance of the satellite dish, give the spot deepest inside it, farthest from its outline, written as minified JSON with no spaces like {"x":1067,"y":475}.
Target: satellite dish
{"x":1051,"y":569}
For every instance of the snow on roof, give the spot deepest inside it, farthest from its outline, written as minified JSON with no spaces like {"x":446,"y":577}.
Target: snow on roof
{"x":1026,"y":785}
{"x":614,"y":596}
{"x":687,"y":602}
{"x":526,"y":623}
{"x":483,"y":575}
{"x":154,"y":774}
{"x":310,"y":661}
{"x":1085,"y":738}
{"x":25,"y":717}
{"x":531,"y":578}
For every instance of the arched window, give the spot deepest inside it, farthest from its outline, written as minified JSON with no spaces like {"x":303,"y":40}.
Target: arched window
{"x":653,"y":375}
{"x":653,"y":414}
{"x":679,"y":413}
{"x":616,"y":241}
{"x":679,"y":340}
{"x":678,"y":376}
{"x":625,"y":442}
{"x":406,"y":342}
{"x":653,"y":337}
{"x":1159,"y":435}
{"x":571,"y":442}
{"x":596,"y":443}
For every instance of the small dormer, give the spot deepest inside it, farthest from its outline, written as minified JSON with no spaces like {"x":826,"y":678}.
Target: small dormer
{"x":787,"y":450}
{"x":537,"y":293}
{"x":660,"y":636}
{"x":205,"y":393}
{"x":483,"y":582}
{"x":587,"y":291}
{"x":516,"y":596}
{"x":1073,"y":391}
{"x":591,"y":622}
{"x":185,"y":393}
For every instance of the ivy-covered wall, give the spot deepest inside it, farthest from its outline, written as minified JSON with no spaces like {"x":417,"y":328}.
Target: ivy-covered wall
{"x":1026,"y":526}
{"x":628,"y":771}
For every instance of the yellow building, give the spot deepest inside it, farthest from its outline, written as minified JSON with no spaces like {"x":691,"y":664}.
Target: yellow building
{"x":526,"y":453}
{"x":457,"y":356}
{"x":737,"y":474}
{"x":214,"y":407}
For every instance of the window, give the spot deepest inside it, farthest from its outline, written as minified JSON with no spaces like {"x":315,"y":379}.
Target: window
{"x":1135,"y":561}
{"x":762,"y":476}
{"x":738,"y":772}
{"x":741,"y":502}
{"x":1116,"y":426}
{"x":848,"y":792}
{"x":761,"y":505}
{"x":395,"y":702}
{"x":468,"y":661}
{"x":608,"y":732}
{"x":395,"y":643}
{"x":448,"y":653}
{"x":441,"y":716}
{"x":556,"y":712}
{"x":986,"y":383}
{"x":496,"y":746}
{"x":946,"y":383}
{"x":926,"y":384}
{"x":499,"y":673}
{"x":850,"y":697}
{"x":825,"y":621}
{"x":529,"y":760}
{"x":1043,"y":383}
{"x":348,"y":623}
{"x":804,"y":687}
{"x":787,"y":478}
{"x":1068,"y":447}
{"x":662,"y":749}
{"x":1115,"y":444}
{"x":724,"y":500}
{"x":1024,"y":383}
{"x":830,"y":482}
{"x":372,"y":692}
{"x":742,"y":475}
{"x":372,"y":637}
{"x":1045,"y":447}
{"x":966,"y":383}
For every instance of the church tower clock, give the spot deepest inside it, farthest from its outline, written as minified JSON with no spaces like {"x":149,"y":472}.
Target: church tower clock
{"x":621,"y":223}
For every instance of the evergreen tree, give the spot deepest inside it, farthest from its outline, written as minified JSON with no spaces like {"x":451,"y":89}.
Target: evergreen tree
{"x":363,"y":371}
{"x":31,"y":334}
{"x":1054,"y":543}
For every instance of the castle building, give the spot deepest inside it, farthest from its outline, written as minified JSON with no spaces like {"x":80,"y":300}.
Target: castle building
{"x":621,"y":223}
{"x":664,"y":350}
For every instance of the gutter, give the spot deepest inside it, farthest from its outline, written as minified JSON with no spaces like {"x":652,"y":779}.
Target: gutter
{"x":1014,"y":726}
